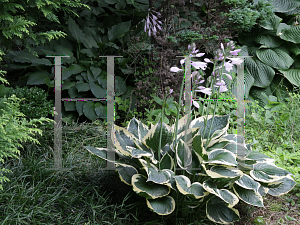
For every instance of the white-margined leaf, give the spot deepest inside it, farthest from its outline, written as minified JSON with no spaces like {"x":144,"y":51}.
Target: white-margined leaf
{"x":183,"y":154}
{"x":122,"y":138}
{"x":155,"y":175}
{"x":219,"y":126}
{"x":248,"y":183}
{"x":218,"y":212}
{"x":126,"y":172}
{"x":259,"y":157}
{"x":224,"y":194}
{"x":148,"y":189}
{"x":162,"y":206}
{"x":151,"y":139}
{"x":223,"y":172}
{"x":267,"y":172}
{"x":102,"y":153}
{"x":248,"y":195}
{"x":167,"y":162}
{"x":185,"y":187}
{"x":221,"y":156}
{"x":138,"y":153}
{"x":287,"y":184}
{"x":137,"y":128}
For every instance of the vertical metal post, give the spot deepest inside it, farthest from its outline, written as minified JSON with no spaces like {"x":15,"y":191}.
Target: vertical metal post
{"x":110,"y":110}
{"x":187,"y":107}
{"x":57,"y":115}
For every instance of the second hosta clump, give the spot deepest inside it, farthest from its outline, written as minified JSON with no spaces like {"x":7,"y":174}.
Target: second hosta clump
{"x":205,"y":168}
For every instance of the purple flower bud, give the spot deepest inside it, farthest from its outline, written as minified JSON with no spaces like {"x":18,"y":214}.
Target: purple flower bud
{"x":235,"y":52}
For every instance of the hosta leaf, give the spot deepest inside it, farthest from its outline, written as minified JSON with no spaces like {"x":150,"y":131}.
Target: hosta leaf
{"x":219,"y":126}
{"x":155,"y":175}
{"x":287,"y":184}
{"x":292,"y":75}
{"x":221,"y":156}
{"x":257,"y":156}
{"x":162,"y":206}
{"x":122,"y":138}
{"x":249,"y":81}
{"x":82,"y":86}
{"x":68,"y":84}
{"x":248,"y":195}
{"x":88,"y":41}
{"x":181,"y":124}
{"x":256,"y":94}
{"x":138,"y":153}
{"x":126,"y":172}
{"x":118,"y":30}
{"x":79,"y":107}
{"x":196,"y":168}
{"x":185,"y":187}
{"x":190,"y":134}
{"x":102,"y":79}
{"x":290,"y":33}
{"x":73,"y":69}
{"x":248,"y":183}
{"x":244,"y":166}
{"x":263,"y":190}
{"x":183,"y":154}
{"x":271,"y":22}
{"x":89,"y":110}
{"x":269,"y":41}
{"x":267,"y":172}
{"x":137,"y":128}
{"x":95,"y":71}
{"x":76,"y":32}
{"x":198,"y":145}
{"x":38,"y":77}
{"x":224,"y":194}
{"x":223,"y":172}
{"x":218,"y":212}
{"x":167,"y":162}
{"x":219,"y":145}
{"x":69,"y":106}
{"x":73,"y":93}
{"x":89,"y":52}
{"x":275,"y":58}
{"x":148,"y":189}
{"x":236,"y":148}
{"x":97,"y":90}
{"x":120,"y":86}
{"x":26,"y":57}
{"x":101,"y":152}
{"x":284,"y":5}
{"x":262,"y":73}
{"x":101,"y":110}
{"x":151,"y":139}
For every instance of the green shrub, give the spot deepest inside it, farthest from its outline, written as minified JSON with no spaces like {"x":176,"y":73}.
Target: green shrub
{"x":14,"y":129}
{"x":34,"y":102}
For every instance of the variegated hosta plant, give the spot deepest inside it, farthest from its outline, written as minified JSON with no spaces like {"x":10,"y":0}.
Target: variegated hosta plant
{"x":197,"y":170}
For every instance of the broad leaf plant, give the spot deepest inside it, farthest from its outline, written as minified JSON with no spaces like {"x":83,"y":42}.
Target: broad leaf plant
{"x":195,"y":163}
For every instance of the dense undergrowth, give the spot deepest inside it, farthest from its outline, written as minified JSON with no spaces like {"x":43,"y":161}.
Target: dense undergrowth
{"x":87,"y":194}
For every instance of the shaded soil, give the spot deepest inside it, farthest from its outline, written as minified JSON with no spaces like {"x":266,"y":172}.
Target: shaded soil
{"x":278,"y":210}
